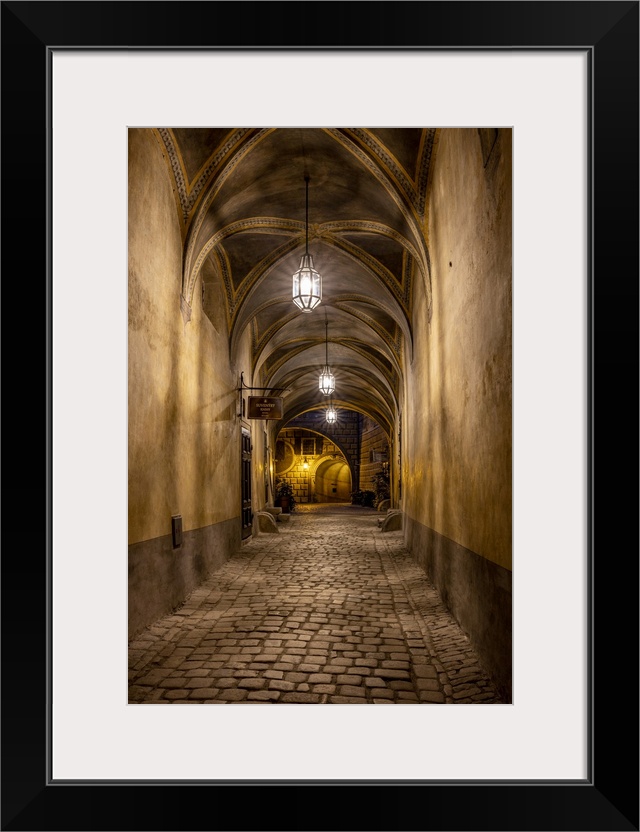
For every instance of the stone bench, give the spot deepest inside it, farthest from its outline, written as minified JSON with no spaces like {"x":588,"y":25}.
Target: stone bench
{"x":392,"y":521}
{"x":266,"y":522}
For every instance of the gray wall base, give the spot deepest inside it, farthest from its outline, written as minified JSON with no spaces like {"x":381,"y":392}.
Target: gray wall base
{"x":477,"y":592}
{"x":160,"y":577}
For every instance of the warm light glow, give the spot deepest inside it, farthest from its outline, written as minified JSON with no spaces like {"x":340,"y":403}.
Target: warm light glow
{"x":331,"y":415}
{"x":327,"y":382}
{"x":305,"y":464}
{"x":307,"y":285}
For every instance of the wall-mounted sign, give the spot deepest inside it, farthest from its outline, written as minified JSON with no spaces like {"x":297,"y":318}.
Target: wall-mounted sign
{"x":265,"y":407}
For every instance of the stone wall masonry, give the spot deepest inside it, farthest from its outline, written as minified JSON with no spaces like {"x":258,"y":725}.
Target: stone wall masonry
{"x":299,"y":479}
{"x":345,"y":434}
{"x":321,"y":481}
{"x":355,"y":436}
{"x":330,"y":448}
{"x":297,"y":476}
{"x":373,"y":439}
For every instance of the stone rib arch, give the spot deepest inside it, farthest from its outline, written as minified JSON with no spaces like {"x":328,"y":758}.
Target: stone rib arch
{"x":363,"y":382}
{"x":284,"y":335}
{"x":203,"y":207}
{"x":189,"y":190}
{"x":297,"y":411}
{"x":272,"y":225}
{"x":414,"y":219}
{"x":413,"y":186}
{"x":244,"y":311}
{"x":394,"y":192}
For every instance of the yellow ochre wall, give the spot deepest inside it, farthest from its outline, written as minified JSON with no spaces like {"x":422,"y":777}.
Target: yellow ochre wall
{"x":456,"y":431}
{"x":458,"y":402}
{"x":184,"y":445}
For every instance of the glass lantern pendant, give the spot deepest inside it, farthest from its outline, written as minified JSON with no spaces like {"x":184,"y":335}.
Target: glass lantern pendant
{"x":327,"y":381}
{"x":331,"y":415}
{"x":307,"y":282}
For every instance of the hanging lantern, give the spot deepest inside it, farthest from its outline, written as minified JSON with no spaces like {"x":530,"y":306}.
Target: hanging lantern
{"x":331,"y":415}
{"x":327,"y":381}
{"x":307,"y":282}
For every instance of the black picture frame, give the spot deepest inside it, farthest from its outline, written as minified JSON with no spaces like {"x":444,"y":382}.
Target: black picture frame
{"x":608,"y":799}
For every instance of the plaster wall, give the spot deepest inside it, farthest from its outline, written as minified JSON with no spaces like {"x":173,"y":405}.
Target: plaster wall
{"x":456,"y":431}
{"x":183,"y":453}
{"x":261,"y":462}
{"x":259,"y":429}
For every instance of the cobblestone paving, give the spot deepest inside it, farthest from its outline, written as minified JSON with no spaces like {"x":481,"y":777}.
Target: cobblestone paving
{"x":330,"y":610}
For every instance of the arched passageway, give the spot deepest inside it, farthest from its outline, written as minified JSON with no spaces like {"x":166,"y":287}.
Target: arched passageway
{"x":333,"y":482}
{"x":409,"y":232}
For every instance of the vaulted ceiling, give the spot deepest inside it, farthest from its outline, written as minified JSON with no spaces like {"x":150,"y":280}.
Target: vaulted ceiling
{"x":240,"y":199}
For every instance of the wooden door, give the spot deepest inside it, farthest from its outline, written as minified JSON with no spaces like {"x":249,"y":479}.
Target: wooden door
{"x":247,"y":514}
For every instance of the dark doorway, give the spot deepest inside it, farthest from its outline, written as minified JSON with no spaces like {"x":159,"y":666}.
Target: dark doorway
{"x":247,"y":515}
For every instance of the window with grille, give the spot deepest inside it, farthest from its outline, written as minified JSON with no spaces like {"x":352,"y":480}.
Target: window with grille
{"x":308,"y":447}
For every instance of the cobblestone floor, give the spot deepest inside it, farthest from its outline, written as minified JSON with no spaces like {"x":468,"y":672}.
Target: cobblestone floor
{"x":330,"y":610}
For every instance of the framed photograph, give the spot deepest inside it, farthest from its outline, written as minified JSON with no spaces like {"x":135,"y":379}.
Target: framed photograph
{"x":563,"y":755}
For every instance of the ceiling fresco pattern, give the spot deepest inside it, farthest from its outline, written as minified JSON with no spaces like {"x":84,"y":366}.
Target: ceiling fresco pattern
{"x":240,"y":203}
